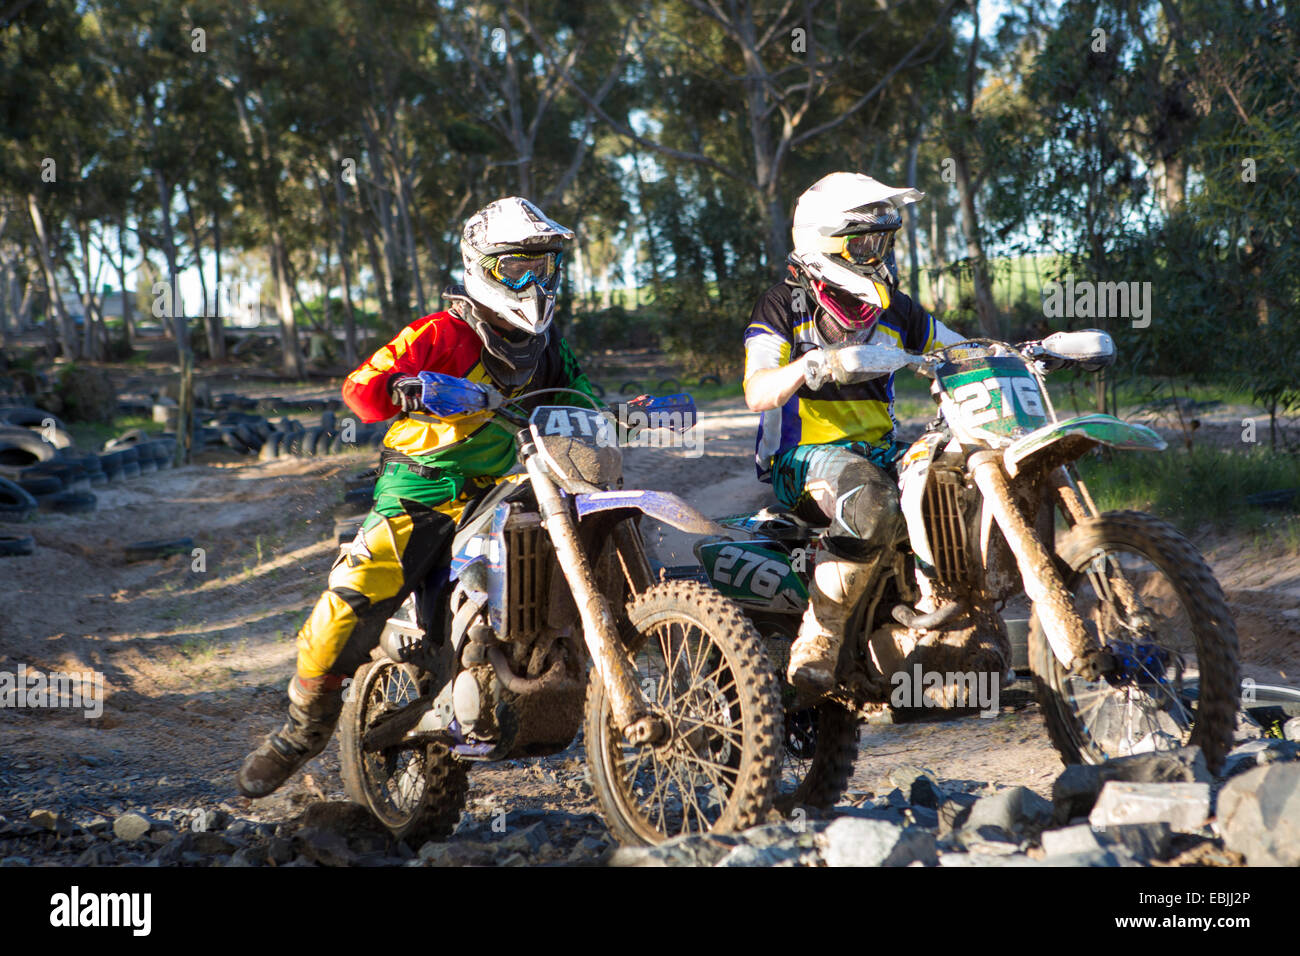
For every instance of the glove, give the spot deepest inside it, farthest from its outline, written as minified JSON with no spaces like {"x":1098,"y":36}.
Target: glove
{"x":823,"y":365}
{"x":816,"y":368}
{"x":406,"y":391}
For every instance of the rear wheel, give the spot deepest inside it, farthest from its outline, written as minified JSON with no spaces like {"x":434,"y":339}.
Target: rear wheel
{"x":416,"y":792}
{"x":702,"y":664}
{"x":820,"y":742}
{"x":1146,"y":595}
{"x":821,"y":745}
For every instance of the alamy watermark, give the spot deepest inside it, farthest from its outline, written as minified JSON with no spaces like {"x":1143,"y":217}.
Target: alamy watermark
{"x":32,"y":688}
{"x":1085,"y":299}
{"x":952,"y":689}
{"x":634,"y":426}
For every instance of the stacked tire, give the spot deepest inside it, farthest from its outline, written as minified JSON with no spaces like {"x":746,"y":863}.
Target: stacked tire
{"x":41,"y":469}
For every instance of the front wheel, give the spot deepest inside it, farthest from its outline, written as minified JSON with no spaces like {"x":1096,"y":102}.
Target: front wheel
{"x":416,"y":792}
{"x":1145,"y":595}
{"x":702,"y":664}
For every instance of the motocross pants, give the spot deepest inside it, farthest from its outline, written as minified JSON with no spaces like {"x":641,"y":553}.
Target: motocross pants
{"x":852,"y":484}
{"x":407,"y":534}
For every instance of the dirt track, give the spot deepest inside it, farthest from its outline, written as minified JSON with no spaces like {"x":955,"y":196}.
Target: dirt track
{"x":195,"y":661}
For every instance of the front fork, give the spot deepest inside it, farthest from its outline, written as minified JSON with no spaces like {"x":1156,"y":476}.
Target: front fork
{"x":632,"y":714}
{"x":1064,"y":629}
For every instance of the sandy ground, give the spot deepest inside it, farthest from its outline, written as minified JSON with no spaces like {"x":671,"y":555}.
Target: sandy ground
{"x":196,"y":658}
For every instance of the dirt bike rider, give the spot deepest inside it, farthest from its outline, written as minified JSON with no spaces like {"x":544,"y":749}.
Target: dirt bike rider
{"x":828,"y":447}
{"x":498,"y":332}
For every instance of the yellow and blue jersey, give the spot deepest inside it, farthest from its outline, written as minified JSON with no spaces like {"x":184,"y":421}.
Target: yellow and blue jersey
{"x":777,"y":334}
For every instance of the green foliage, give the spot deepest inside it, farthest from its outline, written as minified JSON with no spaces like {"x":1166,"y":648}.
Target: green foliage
{"x":1206,"y":486}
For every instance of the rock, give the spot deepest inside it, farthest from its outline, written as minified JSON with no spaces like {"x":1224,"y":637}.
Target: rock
{"x":954,"y":812}
{"x":15,"y":861}
{"x":789,"y":854}
{"x":984,"y":859}
{"x":347,"y":819}
{"x":922,"y":817}
{"x":1075,"y":791}
{"x":456,"y":854}
{"x":996,"y":843}
{"x":1075,"y":839}
{"x":174,"y":851}
{"x":210,"y":844}
{"x":131,"y":826}
{"x":1259,"y":753}
{"x":370,"y":844}
{"x":1184,"y":806}
{"x":95,"y":855}
{"x":1291,"y":729}
{"x":246,"y":856}
{"x":529,"y":840}
{"x":1104,"y":857}
{"x":1247,"y":728}
{"x":919,"y":784}
{"x":324,"y":847}
{"x":1144,"y":841}
{"x":587,"y":850}
{"x":1259,"y":815}
{"x":850,"y":841}
{"x":514,"y":859}
{"x":208,"y":821}
{"x":690,"y":850}
{"x":280,"y":850}
{"x":1009,"y":814}
{"x":45,"y":819}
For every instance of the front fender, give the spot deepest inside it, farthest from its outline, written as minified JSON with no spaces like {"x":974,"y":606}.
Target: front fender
{"x":660,"y":505}
{"x":1085,"y":431}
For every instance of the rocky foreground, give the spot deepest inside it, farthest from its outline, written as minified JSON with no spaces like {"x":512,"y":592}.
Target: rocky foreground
{"x":1162,"y":809}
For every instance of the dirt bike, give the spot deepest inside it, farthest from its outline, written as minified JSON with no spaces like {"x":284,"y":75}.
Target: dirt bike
{"x":1131,"y":644}
{"x":487,"y":660}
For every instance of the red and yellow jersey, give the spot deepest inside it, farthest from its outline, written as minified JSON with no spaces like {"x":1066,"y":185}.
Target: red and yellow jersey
{"x":468,"y":446}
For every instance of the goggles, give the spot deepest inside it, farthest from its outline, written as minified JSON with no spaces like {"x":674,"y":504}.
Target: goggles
{"x":867,"y":248}
{"x":517,"y":270}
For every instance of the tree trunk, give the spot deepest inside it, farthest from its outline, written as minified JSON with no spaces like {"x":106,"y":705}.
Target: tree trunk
{"x":292,"y":354}
{"x":180,"y":323}
{"x":985,"y":307}
{"x":216,"y":322}
{"x":67,"y":333}
{"x":913,"y":254}
{"x":204,"y":312}
{"x":128,"y":319}
{"x":345,"y":260}
{"x":90,"y":339}
{"x":938,"y":263}
{"x":381,"y":284}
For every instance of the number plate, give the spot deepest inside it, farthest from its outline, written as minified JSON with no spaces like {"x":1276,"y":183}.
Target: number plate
{"x":752,"y":574}
{"x":997,"y":394}
{"x":563,"y":421}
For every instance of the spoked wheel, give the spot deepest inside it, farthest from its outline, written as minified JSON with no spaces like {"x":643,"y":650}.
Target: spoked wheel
{"x":1147,"y":596}
{"x":820,"y":742}
{"x":416,"y":792}
{"x":702,"y":664}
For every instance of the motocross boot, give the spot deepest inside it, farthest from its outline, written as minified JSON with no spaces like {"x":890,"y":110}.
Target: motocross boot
{"x":314,"y":707}
{"x":834,"y":589}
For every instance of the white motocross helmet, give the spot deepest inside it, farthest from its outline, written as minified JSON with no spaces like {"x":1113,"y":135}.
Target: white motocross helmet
{"x":512,"y":252}
{"x":844,"y":227}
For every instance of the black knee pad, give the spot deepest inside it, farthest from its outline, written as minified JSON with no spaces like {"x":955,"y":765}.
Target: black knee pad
{"x":866,"y":505}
